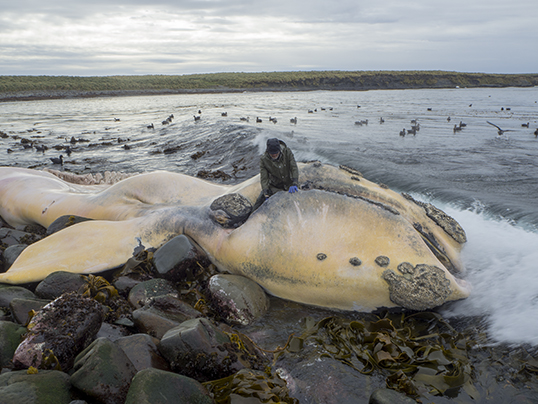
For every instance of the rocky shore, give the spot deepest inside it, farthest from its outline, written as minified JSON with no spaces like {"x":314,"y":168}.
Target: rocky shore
{"x":166,"y":327}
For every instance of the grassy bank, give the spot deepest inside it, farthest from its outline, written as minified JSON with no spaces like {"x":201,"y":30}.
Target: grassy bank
{"x":13,"y":87}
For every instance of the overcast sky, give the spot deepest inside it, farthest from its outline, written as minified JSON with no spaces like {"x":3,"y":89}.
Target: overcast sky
{"x":109,"y":37}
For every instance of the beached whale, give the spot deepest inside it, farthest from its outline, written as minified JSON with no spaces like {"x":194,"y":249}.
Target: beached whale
{"x":343,"y":242}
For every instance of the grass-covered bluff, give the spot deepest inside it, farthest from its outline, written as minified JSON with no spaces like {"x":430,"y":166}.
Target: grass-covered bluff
{"x":33,"y":87}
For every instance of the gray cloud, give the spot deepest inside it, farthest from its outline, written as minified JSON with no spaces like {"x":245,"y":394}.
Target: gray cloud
{"x":179,"y":37}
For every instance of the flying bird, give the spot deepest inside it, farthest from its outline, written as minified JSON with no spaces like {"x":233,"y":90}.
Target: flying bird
{"x":499,"y":131}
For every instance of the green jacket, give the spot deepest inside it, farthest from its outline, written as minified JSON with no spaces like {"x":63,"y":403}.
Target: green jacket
{"x":280,"y":174}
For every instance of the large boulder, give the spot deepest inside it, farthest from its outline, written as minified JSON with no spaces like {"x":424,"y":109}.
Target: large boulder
{"x":59,"y":331}
{"x":154,"y":386}
{"x":198,"y":349}
{"x":44,"y":387}
{"x":238,"y":299}
{"x":103,"y":371}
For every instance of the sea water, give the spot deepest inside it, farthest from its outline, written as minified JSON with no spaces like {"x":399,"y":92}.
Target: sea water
{"x":486,"y":181}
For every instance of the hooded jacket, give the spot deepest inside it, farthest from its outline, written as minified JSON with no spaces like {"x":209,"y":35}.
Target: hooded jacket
{"x":280,"y":174}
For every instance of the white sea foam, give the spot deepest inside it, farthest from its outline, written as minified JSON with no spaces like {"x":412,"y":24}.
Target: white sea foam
{"x":501,"y":261}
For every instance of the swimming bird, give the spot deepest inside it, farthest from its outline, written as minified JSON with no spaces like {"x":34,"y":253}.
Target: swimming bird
{"x":272,"y":119}
{"x":41,"y":148}
{"x":258,"y":119}
{"x":403,"y":132}
{"x":448,"y":119}
{"x":197,"y":118}
{"x":67,"y":150}
{"x":294,"y":120}
{"x":536,"y":132}
{"x":224,"y":114}
{"x":525,"y":125}
{"x":457,"y":128}
{"x":245,"y":119}
{"x":381,"y":120}
{"x":151,"y":126}
{"x":57,"y":160}
{"x":499,"y":131}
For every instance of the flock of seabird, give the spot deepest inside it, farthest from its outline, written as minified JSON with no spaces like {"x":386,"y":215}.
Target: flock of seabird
{"x":415,"y":127}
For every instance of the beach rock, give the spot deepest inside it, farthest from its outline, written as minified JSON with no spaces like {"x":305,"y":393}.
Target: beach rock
{"x":59,"y":331}
{"x":238,"y":299}
{"x":144,"y":292}
{"x":198,"y":349}
{"x":162,"y":314}
{"x":12,"y":237}
{"x":11,"y":253}
{"x":142,"y":351}
{"x":44,"y":387}
{"x":154,"y":386}
{"x":327,"y":381}
{"x":58,"y":283}
{"x":64,"y":221}
{"x":388,"y":396}
{"x":168,"y":258}
{"x":103,"y":371}
{"x":22,"y":307}
{"x":124,"y":284}
{"x":152,"y":322}
{"x":112,"y":332}
{"x":8,"y":293}
{"x":11,"y":335}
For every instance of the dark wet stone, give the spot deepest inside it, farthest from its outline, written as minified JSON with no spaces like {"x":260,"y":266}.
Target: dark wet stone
{"x":45,"y":387}
{"x":145,"y":292}
{"x":8,"y":293}
{"x":64,"y":328}
{"x":154,"y":386}
{"x":58,"y":283}
{"x":63,"y":222}
{"x":12,"y":237}
{"x":198,"y":349}
{"x":173,"y":253}
{"x":142,"y":351}
{"x":21,"y":308}
{"x":388,"y":396}
{"x":238,"y":299}
{"x":355,"y":261}
{"x":162,"y":314}
{"x":124,"y":284}
{"x":327,"y":381}
{"x":11,"y":335}
{"x":11,"y":253}
{"x":152,"y":322}
{"x":112,"y":332}
{"x":103,"y":371}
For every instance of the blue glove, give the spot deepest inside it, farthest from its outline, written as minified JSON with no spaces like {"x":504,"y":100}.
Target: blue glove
{"x":293,"y":189}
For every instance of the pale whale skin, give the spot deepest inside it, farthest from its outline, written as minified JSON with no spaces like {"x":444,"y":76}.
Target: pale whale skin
{"x":346,"y":243}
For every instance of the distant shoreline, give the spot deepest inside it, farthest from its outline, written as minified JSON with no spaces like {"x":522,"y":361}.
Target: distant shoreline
{"x":29,"y":88}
